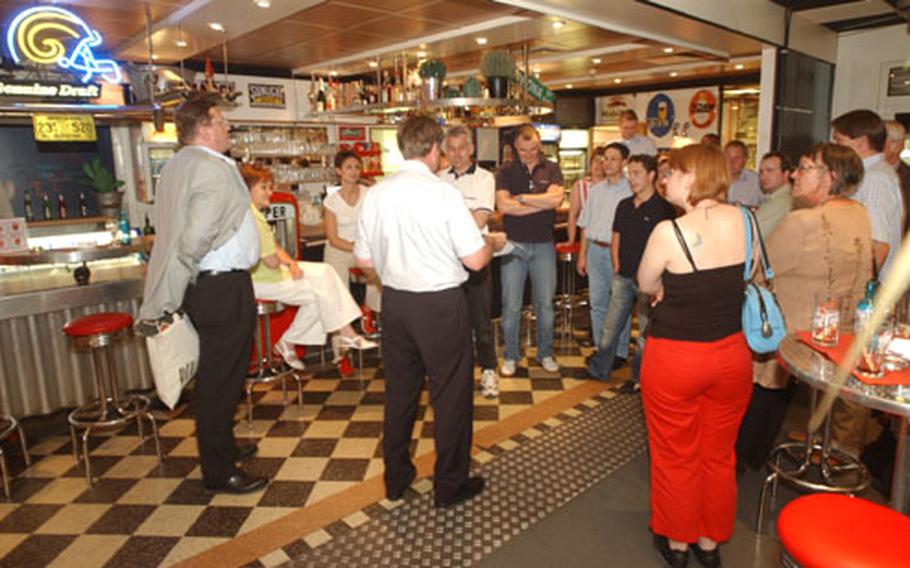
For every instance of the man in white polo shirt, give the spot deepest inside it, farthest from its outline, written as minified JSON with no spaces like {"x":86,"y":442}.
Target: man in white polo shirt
{"x":631,"y":139}
{"x":416,"y":232}
{"x":478,"y":188}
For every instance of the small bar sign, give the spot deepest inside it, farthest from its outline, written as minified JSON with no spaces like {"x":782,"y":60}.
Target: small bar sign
{"x":267,"y":96}
{"x":13,"y":235}
{"x":64,"y":128}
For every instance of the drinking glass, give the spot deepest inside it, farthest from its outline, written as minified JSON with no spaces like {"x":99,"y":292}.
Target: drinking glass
{"x":872,"y":357}
{"x":826,"y":321}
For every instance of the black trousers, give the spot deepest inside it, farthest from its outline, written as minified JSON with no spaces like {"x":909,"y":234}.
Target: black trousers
{"x":427,"y":334}
{"x":479,"y":292}
{"x":223,"y":309}
{"x":761,"y":423}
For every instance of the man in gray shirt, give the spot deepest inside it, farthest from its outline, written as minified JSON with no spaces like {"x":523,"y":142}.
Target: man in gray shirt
{"x":631,"y":139}
{"x":743,"y":183}
{"x":774,"y":179}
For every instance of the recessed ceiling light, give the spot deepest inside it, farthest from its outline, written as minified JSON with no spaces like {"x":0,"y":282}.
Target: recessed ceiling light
{"x":536,"y":69}
{"x":481,"y":41}
{"x":617,"y":80}
{"x":216,"y":26}
{"x":422,"y":46}
{"x":668,"y":50}
{"x":155,"y":56}
{"x":557,"y":24}
{"x":673,"y":73}
{"x":569,"y":86}
{"x":263,"y":3}
{"x":373,"y":64}
{"x":597,"y":61}
{"x":333,"y":73}
{"x":180,"y":43}
{"x":421,"y":54}
{"x":739,"y":66}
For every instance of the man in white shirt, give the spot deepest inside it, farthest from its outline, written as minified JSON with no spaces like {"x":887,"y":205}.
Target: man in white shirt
{"x":631,"y":139}
{"x":744,"y":188}
{"x":415,"y":231}
{"x":894,"y":145}
{"x":205,"y":245}
{"x":864,"y":132}
{"x":478,"y":188}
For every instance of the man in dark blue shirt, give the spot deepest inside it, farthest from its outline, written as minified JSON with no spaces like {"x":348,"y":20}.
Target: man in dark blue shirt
{"x":636,"y":217}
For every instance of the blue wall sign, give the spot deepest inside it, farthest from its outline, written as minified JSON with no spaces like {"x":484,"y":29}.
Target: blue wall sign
{"x":661,"y":115}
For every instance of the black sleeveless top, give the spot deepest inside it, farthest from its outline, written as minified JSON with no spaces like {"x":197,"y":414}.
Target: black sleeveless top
{"x":704,"y":305}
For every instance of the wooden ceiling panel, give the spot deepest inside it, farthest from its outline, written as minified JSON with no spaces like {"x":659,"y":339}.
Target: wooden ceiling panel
{"x":336,"y":15}
{"x":389,"y":6}
{"x":462,"y":11}
{"x":274,"y":37}
{"x":401,"y":28}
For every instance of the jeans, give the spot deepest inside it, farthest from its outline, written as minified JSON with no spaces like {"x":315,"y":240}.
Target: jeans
{"x":539,"y":261}
{"x":479,"y":291}
{"x":623,"y":297}
{"x":600,"y":278}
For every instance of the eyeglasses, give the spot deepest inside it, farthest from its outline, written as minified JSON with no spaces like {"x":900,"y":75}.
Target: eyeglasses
{"x":802,"y":168}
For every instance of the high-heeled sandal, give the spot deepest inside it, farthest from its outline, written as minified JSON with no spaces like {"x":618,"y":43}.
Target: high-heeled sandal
{"x":289,"y":354}
{"x":358,"y":342}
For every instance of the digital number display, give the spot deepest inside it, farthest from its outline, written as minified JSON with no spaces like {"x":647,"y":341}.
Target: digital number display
{"x":64,"y":128}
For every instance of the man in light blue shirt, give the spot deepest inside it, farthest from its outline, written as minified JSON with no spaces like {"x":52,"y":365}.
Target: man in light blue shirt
{"x":744,"y":188}
{"x":631,"y":139}
{"x":595,"y":259}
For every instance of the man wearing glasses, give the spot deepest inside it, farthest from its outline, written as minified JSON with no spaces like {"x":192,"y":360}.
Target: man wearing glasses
{"x":528,"y":191}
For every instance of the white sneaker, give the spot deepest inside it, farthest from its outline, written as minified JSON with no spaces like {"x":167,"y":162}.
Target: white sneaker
{"x":508,"y":368}
{"x":489,"y":384}
{"x":549,"y":365}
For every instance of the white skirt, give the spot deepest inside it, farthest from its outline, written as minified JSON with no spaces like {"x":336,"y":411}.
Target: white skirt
{"x":342,"y":261}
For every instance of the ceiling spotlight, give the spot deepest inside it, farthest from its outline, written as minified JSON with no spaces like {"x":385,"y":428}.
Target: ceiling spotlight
{"x":155,"y":56}
{"x":739,"y":66}
{"x":263,"y":3}
{"x":557,"y":24}
{"x":668,"y":50}
{"x":373,"y":64}
{"x":617,"y":80}
{"x":569,"y":86}
{"x":597,"y":61}
{"x":421,"y":54}
{"x":536,"y":69}
{"x":481,"y":41}
{"x":673,"y":73}
{"x":333,"y":73}
{"x":181,"y":43}
{"x":216,"y":26}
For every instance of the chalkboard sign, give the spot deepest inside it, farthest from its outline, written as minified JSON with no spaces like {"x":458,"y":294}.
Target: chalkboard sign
{"x":47,"y":177}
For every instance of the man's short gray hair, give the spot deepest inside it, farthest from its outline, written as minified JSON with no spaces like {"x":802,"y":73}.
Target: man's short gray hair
{"x":459,"y":130}
{"x":896,"y":130}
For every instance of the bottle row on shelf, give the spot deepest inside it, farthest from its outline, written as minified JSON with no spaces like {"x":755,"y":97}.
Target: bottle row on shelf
{"x":50,"y":212}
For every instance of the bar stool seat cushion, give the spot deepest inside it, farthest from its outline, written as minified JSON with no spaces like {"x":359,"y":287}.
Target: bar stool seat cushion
{"x":105,"y":322}
{"x":829,"y":530}
{"x":574,"y":248}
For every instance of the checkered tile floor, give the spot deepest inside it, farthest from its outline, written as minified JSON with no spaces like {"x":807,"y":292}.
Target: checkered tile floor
{"x":141,"y":513}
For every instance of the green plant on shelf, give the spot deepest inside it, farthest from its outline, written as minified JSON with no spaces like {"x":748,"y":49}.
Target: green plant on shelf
{"x":497,"y":63}
{"x":99,"y":178}
{"x":432,"y":68}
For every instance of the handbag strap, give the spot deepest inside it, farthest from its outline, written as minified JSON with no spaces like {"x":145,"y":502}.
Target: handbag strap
{"x":752,"y":227}
{"x":747,"y":222}
{"x":682,"y":242}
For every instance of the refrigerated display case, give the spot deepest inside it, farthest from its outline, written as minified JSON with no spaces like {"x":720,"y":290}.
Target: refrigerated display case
{"x":156,"y":149}
{"x":573,"y":155}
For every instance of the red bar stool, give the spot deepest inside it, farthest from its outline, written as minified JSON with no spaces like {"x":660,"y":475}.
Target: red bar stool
{"x":830,"y":531}
{"x":264,"y":369}
{"x":566,"y":256}
{"x":9,"y":425}
{"x":98,"y":332}
{"x":369,"y":325}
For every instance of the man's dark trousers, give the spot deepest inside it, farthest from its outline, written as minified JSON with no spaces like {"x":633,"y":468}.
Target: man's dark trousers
{"x":427,"y":334}
{"x":223,"y":310}
{"x":479,"y":291}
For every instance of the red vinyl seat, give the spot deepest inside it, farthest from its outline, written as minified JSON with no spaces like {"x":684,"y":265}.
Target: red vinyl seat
{"x":105,"y":322}
{"x":574,"y":248}
{"x":829,"y":531}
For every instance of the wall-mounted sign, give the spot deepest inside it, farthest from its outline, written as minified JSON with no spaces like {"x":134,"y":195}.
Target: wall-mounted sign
{"x":48,"y":90}
{"x":13,"y":235}
{"x":352,"y":133}
{"x":64,"y":127}
{"x":266,"y":96}
{"x":702,"y":109}
{"x":52,"y":36}
{"x":661,"y":114}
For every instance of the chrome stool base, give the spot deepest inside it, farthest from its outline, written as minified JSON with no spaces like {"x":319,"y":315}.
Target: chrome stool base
{"x":8,"y":426}
{"x":266,"y":371}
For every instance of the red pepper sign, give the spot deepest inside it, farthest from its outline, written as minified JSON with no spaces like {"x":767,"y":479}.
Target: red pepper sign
{"x":702,"y":109}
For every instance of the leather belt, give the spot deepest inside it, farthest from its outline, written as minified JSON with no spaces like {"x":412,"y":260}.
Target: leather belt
{"x":209,"y":273}
{"x":601,"y":244}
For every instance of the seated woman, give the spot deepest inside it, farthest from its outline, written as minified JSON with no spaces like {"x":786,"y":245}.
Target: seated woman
{"x":325,"y":304}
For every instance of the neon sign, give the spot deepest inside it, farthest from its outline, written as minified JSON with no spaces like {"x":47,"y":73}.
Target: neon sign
{"x":47,"y":35}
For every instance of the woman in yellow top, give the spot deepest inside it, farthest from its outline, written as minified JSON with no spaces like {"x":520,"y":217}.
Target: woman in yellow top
{"x":325,"y":304}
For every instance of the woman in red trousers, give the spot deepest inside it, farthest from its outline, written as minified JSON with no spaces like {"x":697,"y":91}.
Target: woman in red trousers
{"x":696,"y":368}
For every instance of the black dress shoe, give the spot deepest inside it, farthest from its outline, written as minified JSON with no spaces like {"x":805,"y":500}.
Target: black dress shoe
{"x":397,"y":493}
{"x":246,"y":451}
{"x":673,"y":558}
{"x":619,"y":363}
{"x":707,"y":558}
{"x":470,"y":488}
{"x":239,"y":483}
{"x":629,"y":387}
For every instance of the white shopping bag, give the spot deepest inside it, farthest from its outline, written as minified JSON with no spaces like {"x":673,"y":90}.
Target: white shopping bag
{"x":174,"y":357}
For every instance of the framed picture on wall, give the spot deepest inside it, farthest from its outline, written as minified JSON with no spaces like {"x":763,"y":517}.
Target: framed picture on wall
{"x":899,"y":82}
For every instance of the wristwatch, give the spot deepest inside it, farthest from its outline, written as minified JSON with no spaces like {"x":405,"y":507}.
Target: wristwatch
{"x":521,"y":198}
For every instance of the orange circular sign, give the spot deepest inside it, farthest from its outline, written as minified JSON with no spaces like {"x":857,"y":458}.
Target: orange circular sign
{"x":702,"y":109}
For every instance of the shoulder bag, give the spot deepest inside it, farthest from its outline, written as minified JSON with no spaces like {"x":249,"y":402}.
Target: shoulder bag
{"x":762,"y":318}
{"x":173,"y":355}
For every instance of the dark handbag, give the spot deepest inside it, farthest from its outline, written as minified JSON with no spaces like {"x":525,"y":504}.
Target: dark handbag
{"x":762,"y":318}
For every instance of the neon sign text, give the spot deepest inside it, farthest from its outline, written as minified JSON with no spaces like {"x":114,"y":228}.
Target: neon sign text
{"x":47,"y":35}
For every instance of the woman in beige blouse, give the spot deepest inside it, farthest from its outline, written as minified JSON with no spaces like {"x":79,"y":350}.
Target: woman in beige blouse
{"x":823,"y":248}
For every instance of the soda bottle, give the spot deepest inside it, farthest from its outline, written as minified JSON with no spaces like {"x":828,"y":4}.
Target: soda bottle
{"x":123,"y":228}
{"x":27,"y":205}
{"x":63,"y":212}
{"x":83,"y":206}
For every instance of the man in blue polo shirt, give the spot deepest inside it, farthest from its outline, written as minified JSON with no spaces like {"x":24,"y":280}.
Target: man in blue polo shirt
{"x":528,"y":191}
{"x":635,"y":218}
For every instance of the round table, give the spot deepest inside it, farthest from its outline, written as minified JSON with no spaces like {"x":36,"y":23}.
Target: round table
{"x":72,"y":256}
{"x":816,"y":370}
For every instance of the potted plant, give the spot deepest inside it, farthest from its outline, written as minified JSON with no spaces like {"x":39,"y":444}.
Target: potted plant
{"x":432,"y":71}
{"x":498,"y":67}
{"x":107,"y":188}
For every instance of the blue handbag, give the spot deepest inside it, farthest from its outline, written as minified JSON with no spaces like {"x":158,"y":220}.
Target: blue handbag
{"x":762,"y":318}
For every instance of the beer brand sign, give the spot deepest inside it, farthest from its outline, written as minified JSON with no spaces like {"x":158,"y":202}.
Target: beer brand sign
{"x":266,"y":96}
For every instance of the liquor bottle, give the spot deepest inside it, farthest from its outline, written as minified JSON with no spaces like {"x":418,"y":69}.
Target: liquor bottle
{"x":27,"y":205}
{"x":83,"y":206}
{"x":320,"y":97}
{"x":46,"y":208}
{"x":385,"y":89}
{"x":864,"y":308}
{"x":330,"y":98}
{"x":123,"y":228}
{"x":147,"y":228}
{"x":63,"y":212}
